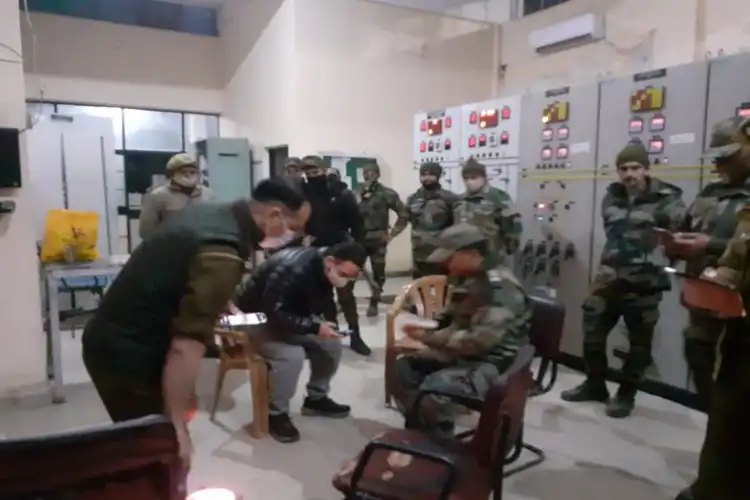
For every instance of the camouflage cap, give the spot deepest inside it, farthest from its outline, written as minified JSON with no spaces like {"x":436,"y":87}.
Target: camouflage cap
{"x":431,"y":168}
{"x":312,"y":161}
{"x":473,"y":167}
{"x":293,"y":162}
{"x":453,"y":239}
{"x":728,"y":136}
{"x":179,"y":161}
{"x":372,"y":167}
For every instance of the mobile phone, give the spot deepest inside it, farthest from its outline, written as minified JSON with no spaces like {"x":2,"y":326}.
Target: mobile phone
{"x":251,"y":319}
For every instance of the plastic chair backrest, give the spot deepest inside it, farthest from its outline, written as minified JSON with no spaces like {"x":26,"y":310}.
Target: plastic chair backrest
{"x":547,"y":323}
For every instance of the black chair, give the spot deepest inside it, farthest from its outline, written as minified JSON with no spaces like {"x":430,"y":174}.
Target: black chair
{"x":135,"y":459}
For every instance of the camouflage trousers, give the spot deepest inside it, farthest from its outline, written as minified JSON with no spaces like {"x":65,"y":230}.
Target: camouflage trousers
{"x":415,"y":373}
{"x":601,"y":313}
{"x":701,"y":338}
{"x":376,"y":252}
{"x":722,"y":470}
{"x":348,"y":303}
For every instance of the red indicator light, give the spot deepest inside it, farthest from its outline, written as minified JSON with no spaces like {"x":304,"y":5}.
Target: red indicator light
{"x":423,"y":126}
{"x":422,"y":147}
{"x":506,"y":113}
{"x":743,"y":112}
{"x":472,"y":142}
{"x":448,"y":122}
{"x":473,"y":118}
{"x":482,"y":140}
{"x":447,"y":144}
{"x":504,"y":138}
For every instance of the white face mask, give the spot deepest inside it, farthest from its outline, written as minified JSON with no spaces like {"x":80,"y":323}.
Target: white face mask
{"x":186,"y":180}
{"x":335,"y":278}
{"x":474,"y":185}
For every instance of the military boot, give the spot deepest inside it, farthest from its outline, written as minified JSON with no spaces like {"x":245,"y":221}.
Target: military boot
{"x":622,"y":404}
{"x":356,"y":343}
{"x":372,"y":309}
{"x":592,"y":389}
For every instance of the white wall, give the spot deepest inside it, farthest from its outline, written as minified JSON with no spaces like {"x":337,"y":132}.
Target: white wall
{"x":94,"y":62}
{"x":22,"y":357}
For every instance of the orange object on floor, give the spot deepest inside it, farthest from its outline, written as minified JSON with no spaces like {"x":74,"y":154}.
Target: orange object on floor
{"x":192,"y":412}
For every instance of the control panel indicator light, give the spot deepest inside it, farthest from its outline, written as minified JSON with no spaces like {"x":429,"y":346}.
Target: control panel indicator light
{"x":482,"y":140}
{"x":563,"y":133}
{"x":635,"y":126}
{"x":448,"y":122}
{"x":423,"y":126}
{"x":655,"y":146}
{"x":546,"y":153}
{"x":472,"y":142}
{"x":422,"y":147}
{"x":658,"y":123}
{"x":435,"y":127}
{"x":488,"y":118}
{"x":473,"y":118}
{"x":505,"y":113}
{"x":447,"y":144}
{"x":547,"y":134}
{"x":430,"y":146}
{"x":504,"y":138}
{"x":562,"y":153}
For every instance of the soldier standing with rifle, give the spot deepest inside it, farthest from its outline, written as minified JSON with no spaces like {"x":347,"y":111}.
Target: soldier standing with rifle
{"x":429,"y":211}
{"x":375,"y":202}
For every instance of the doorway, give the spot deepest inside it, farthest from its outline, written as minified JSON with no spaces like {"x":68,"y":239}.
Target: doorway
{"x":276,"y":158}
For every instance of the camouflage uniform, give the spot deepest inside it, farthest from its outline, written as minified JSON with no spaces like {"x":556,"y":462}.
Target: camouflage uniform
{"x":629,"y":283}
{"x":713,"y":213}
{"x":492,"y":211}
{"x":722,"y":471}
{"x":160,"y":202}
{"x":429,"y":211}
{"x":375,"y":202}
{"x":474,"y":346}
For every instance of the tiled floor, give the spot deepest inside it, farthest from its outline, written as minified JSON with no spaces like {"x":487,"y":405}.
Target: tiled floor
{"x":649,"y":456}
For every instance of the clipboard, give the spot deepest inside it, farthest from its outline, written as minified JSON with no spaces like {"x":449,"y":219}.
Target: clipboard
{"x":701,"y":293}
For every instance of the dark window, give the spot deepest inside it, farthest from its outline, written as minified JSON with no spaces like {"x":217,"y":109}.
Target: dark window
{"x":532,"y":6}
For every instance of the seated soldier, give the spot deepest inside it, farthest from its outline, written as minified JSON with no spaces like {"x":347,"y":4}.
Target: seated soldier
{"x":291,"y":288}
{"x":478,"y":338}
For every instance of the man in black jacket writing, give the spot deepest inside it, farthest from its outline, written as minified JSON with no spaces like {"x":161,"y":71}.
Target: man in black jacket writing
{"x":334,"y":218}
{"x":290,"y":289}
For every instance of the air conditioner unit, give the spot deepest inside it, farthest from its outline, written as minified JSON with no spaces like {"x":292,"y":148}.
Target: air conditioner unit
{"x":585,"y":28}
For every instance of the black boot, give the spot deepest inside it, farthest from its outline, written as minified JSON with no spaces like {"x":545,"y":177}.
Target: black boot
{"x":324,"y":407}
{"x":282,"y":429}
{"x":357,"y":344}
{"x":592,"y":389}
{"x":372,"y":309}
{"x":622,"y":404}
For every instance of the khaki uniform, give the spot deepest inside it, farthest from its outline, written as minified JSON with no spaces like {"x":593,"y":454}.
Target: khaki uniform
{"x":161,"y":202}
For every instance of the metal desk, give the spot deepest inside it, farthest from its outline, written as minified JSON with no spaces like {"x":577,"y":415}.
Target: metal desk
{"x":52,"y":275}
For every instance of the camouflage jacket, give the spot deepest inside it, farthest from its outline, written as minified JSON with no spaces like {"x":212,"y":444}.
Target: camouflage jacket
{"x":490,"y":322}
{"x":428,"y":212}
{"x":493,"y":212}
{"x":734,"y":264}
{"x":630,"y":255}
{"x":714,"y":212}
{"x":375,"y":203}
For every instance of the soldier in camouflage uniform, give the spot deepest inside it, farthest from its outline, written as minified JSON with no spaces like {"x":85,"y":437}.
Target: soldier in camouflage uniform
{"x":630,"y":280}
{"x":184,"y":188}
{"x":475,"y":344}
{"x":429,"y":210}
{"x":375,"y":202}
{"x":707,"y":229}
{"x":488,"y":208}
{"x":722,"y":471}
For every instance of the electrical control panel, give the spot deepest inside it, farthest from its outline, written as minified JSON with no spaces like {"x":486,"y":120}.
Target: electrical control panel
{"x":490,"y":129}
{"x":437,"y":136}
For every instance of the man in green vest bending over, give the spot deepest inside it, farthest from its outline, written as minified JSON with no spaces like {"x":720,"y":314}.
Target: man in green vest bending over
{"x":144,"y":345}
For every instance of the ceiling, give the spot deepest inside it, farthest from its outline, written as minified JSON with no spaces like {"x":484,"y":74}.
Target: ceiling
{"x":200,"y":3}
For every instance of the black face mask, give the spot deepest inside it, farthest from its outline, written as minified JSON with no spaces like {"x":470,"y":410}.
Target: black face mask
{"x":318,"y":184}
{"x":430,"y":185}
